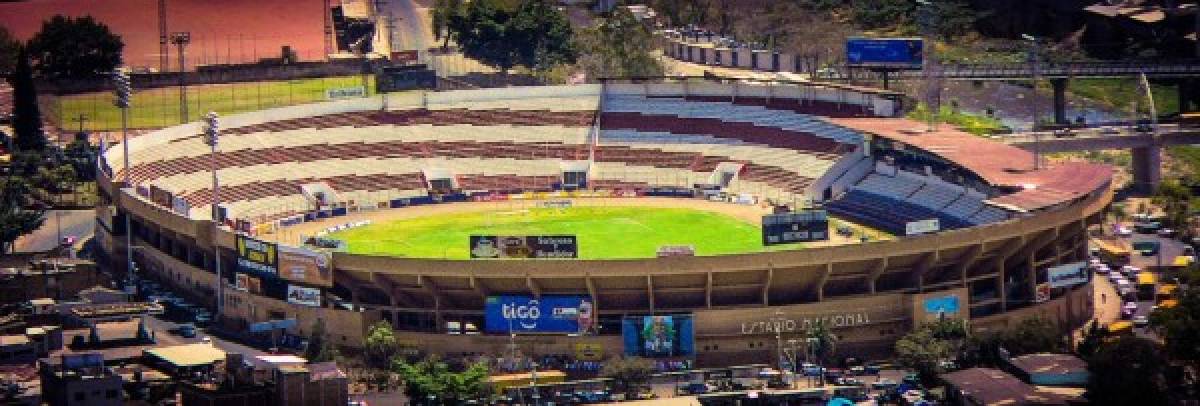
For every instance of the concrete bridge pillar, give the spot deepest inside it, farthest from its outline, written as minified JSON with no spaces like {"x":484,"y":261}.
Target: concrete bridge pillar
{"x":1060,"y":100}
{"x":1189,"y":95}
{"x":1147,"y":167}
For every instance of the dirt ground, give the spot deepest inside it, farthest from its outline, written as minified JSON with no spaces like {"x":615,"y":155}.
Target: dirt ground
{"x":749,"y":213}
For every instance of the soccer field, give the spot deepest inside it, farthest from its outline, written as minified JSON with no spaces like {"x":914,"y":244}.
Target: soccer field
{"x":602,"y":232}
{"x":154,"y":108}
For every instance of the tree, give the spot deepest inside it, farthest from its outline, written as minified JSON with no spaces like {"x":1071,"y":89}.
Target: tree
{"x":1127,"y":371}
{"x":69,"y":47}
{"x":618,"y":47}
{"x":535,"y":34}
{"x":433,"y":379}
{"x":445,"y":11}
{"x":922,"y":351}
{"x":628,"y":374}
{"x":319,"y":348}
{"x":380,"y":344}
{"x":27,"y":118}
{"x":882,"y":13}
{"x":821,"y":342}
{"x":15,"y":218}
{"x":1033,"y":335}
{"x":1180,"y":326}
{"x":9,"y":47}
{"x":544,"y":35}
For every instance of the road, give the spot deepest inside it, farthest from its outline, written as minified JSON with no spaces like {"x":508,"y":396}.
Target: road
{"x":412,"y":29}
{"x":1169,"y":249}
{"x":162,"y":330}
{"x":78,"y":223}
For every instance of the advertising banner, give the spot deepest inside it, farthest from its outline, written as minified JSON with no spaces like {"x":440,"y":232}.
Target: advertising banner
{"x":1041,"y":292}
{"x":248,"y":283}
{"x":304,"y":296}
{"x":1067,"y":275}
{"x":922,"y":227}
{"x":806,"y":225}
{"x":180,"y":206}
{"x":548,"y":314}
{"x":305,"y":266}
{"x":257,"y":256}
{"x":899,"y":53}
{"x":345,"y":92}
{"x":514,"y":246}
{"x":658,"y":336}
{"x":676,"y":251}
{"x":589,"y":351}
{"x":941,"y":307}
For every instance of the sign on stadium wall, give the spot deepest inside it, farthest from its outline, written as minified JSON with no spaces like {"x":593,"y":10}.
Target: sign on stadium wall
{"x":257,"y":256}
{"x":922,"y":227}
{"x":304,"y":266}
{"x":247,"y":283}
{"x":1041,"y":293}
{"x":345,"y":92}
{"x":801,"y":226}
{"x":527,"y":246}
{"x":1067,"y":275}
{"x":302,"y":295}
{"x":547,"y":314}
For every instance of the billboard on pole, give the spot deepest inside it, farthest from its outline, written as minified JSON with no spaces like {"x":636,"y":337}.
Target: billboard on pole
{"x":895,"y":53}
{"x":305,"y":266}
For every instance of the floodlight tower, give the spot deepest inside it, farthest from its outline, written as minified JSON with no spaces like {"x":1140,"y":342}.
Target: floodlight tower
{"x":212,"y":132}
{"x":121,"y":89}
{"x":181,"y":39}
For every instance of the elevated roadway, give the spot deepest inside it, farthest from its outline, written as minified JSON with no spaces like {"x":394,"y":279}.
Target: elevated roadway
{"x":1146,"y":146}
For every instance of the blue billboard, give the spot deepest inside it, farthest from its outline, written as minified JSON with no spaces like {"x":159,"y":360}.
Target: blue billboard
{"x":548,"y":314}
{"x":903,"y":53}
{"x":658,"y":336}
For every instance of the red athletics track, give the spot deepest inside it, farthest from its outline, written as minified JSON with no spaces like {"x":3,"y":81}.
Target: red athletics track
{"x":222,"y":30}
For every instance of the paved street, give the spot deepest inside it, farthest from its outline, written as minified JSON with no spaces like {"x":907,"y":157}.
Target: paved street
{"x":80,"y":224}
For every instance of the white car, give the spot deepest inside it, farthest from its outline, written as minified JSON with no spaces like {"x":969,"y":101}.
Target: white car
{"x":1141,"y":321}
{"x":1123,"y":231}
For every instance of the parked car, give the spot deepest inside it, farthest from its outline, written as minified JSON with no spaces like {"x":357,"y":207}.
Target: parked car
{"x":186,"y":330}
{"x":1166,"y":232}
{"x":1141,"y":321}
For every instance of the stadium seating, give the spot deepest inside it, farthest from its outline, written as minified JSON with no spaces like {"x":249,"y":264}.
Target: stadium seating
{"x":889,"y":201}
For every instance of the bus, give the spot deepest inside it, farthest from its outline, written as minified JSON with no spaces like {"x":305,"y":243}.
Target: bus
{"x":1120,"y":327}
{"x":1146,"y":284}
{"x":1112,"y":252}
{"x":1165,"y":292}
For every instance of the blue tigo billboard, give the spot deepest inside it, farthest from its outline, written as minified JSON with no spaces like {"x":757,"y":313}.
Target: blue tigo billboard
{"x":548,"y":314}
{"x":658,"y":336}
{"x":903,"y":53}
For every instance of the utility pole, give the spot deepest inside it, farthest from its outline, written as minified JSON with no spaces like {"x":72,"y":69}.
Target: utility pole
{"x":163,"y":49}
{"x":1034,"y":61}
{"x":181,"y":39}
{"x":932,"y":85}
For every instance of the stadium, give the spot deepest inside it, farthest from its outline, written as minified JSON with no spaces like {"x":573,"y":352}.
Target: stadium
{"x":437,"y":211}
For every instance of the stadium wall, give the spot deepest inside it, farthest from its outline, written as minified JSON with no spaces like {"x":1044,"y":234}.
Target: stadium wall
{"x":212,"y":74}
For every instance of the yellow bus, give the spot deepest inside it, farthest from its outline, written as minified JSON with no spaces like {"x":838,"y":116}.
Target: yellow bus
{"x":1165,"y":292}
{"x":1120,"y":327}
{"x":1113,"y":252}
{"x":1146,"y":284}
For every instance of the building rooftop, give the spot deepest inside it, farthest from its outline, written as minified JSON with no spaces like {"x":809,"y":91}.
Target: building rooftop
{"x":15,"y":339}
{"x":988,"y":386}
{"x":188,"y":355}
{"x":1046,"y":363}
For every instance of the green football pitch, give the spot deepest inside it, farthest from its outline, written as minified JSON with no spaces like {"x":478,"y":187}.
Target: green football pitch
{"x":602,"y":232}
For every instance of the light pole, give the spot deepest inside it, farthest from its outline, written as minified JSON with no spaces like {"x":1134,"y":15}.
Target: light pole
{"x":1034,"y":66}
{"x":181,"y":39}
{"x":121,"y":89}
{"x":778,"y":322}
{"x":932,"y":87}
{"x":211,"y":133}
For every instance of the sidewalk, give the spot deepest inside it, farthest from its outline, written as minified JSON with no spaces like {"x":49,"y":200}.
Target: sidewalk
{"x":1107,"y":305}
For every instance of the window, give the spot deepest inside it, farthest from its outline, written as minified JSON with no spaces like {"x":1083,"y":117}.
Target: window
{"x":80,"y":396}
{"x":111,"y":394}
